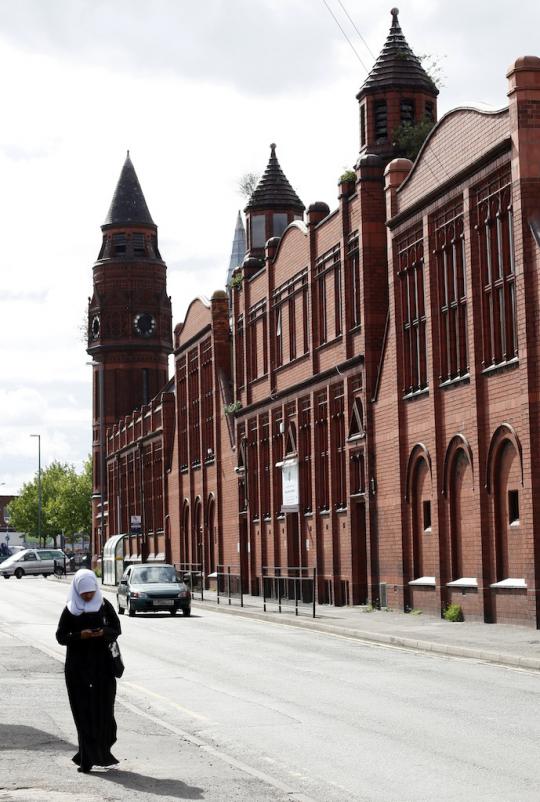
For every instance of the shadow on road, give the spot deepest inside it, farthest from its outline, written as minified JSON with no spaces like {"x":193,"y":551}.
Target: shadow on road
{"x":19,"y":736}
{"x":152,"y":785}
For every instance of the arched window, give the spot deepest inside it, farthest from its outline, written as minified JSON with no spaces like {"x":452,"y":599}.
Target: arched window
{"x":185,"y":534}
{"x":504,"y":481}
{"x":463,"y":526}
{"x":422,"y":553}
{"x":211,"y":539}
{"x":197,"y":535}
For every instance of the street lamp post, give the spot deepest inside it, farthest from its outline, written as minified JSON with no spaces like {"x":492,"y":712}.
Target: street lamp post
{"x":101,"y":379}
{"x":39,"y":485}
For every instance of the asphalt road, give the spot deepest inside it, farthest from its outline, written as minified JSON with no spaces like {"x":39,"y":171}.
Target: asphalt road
{"x":282,"y":713}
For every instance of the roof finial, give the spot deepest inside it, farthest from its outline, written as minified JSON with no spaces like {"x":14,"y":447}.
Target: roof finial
{"x":273,"y":149}
{"x":395,"y":22}
{"x":127,"y":154}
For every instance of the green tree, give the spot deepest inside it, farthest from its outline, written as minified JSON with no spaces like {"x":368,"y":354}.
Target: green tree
{"x":65,"y":504}
{"x":408,"y":139}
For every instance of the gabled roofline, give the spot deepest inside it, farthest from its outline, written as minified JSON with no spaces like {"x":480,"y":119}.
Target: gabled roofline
{"x":437,"y":126}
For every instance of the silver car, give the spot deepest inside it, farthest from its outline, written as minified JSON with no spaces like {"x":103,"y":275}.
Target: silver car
{"x":33,"y":562}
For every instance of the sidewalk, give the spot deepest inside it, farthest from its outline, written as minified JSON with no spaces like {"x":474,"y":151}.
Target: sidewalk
{"x":503,"y":644}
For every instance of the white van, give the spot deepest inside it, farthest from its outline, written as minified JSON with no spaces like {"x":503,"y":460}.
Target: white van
{"x":34,"y":562}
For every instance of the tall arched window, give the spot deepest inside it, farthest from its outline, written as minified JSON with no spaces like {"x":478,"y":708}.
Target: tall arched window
{"x":211,"y":545}
{"x":421,"y":517}
{"x":506,"y":500}
{"x":505,"y":483}
{"x":462,"y":559}
{"x":421,"y":553}
{"x":196,"y":535}
{"x":185,"y":534}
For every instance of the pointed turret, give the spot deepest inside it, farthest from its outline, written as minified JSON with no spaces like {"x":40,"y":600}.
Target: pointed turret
{"x":397,"y":91}
{"x":274,"y":190}
{"x":272,"y":206}
{"x":238,"y":250}
{"x":128,"y":206}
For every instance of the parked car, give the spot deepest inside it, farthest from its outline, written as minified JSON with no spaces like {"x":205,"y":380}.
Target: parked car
{"x":33,"y":562}
{"x":152,"y":588}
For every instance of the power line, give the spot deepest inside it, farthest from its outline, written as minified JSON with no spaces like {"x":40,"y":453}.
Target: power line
{"x":356,"y":29}
{"x":344,"y":34}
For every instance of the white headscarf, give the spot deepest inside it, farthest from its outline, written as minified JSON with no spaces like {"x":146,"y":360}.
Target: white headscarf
{"x":84,"y":581}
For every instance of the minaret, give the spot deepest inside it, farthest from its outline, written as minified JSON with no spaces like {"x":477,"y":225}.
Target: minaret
{"x":129,"y":319}
{"x":397,"y":90}
{"x":273,"y":205}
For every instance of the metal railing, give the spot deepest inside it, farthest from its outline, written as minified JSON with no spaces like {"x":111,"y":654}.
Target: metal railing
{"x":290,"y":588}
{"x":229,"y":584}
{"x":193,"y":575}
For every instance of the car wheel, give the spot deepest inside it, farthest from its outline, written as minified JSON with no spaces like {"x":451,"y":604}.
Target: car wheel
{"x":173,"y":611}
{"x":120,"y":609}
{"x":6,"y":576}
{"x":131,"y":611}
{"x":186,"y":611}
{"x":19,"y":573}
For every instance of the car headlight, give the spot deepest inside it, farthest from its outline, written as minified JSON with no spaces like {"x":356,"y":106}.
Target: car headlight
{"x":184,"y":594}
{"x":136,"y":595}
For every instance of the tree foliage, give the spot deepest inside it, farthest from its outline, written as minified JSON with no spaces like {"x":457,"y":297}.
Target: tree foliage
{"x":65,"y":503}
{"x":408,"y":139}
{"x":247,"y":184}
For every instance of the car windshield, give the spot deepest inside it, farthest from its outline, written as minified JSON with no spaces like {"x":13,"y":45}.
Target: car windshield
{"x":154,"y":573}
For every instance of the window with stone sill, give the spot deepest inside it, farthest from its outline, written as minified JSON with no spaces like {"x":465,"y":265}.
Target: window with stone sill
{"x":409,"y":251}
{"x":328,"y":290}
{"x":494,"y":251}
{"x":304,"y":445}
{"x":338,"y":439}
{"x":447,"y":241}
{"x":353,"y":268}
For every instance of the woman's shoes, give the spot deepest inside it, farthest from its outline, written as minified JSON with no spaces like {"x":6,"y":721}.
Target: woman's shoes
{"x":85,"y":769}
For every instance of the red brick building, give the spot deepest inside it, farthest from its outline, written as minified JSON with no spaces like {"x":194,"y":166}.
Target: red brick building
{"x":367,"y":405}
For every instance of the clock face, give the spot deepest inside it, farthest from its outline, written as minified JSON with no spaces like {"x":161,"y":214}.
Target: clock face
{"x":145,"y":324}
{"x":95,"y":327}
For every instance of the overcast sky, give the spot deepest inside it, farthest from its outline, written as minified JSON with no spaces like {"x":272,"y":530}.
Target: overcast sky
{"x":197,"y":91}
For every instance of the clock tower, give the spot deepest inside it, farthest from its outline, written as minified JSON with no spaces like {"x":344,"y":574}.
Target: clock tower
{"x":129,"y":325}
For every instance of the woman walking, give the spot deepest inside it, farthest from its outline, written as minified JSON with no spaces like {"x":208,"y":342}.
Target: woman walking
{"x":87,"y":625}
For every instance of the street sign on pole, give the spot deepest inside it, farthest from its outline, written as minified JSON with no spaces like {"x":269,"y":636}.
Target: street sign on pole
{"x":135,"y":525}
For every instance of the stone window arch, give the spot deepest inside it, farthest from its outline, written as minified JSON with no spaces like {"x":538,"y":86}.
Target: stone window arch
{"x":504,"y":481}
{"x":458,"y":488}
{"x":211,"y":539}
{"x":422,"y":550}
{"x":185,"y":532}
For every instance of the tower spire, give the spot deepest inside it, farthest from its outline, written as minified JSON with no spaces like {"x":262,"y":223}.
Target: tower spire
{"x":397,"y":66}
{"x":239,"y":248}
{"x":128,"y":206}
{"x":274,"y":190}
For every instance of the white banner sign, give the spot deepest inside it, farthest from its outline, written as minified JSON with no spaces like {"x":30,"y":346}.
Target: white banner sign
{"x":289,"y":478}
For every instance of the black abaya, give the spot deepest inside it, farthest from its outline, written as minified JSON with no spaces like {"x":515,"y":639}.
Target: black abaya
{"x":90,"y":681}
